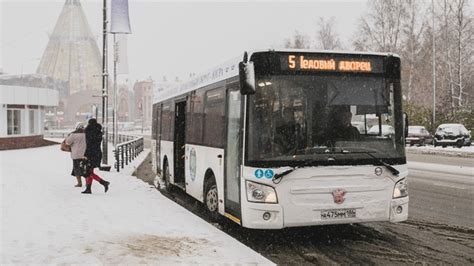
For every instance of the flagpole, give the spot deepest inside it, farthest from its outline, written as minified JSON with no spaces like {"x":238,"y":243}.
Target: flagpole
{"x":120,"y":24}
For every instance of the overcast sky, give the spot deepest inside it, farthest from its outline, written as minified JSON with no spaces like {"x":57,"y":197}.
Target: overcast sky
{"x":175,"y":38}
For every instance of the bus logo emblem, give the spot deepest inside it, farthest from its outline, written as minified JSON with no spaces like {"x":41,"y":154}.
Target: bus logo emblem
{"x":338,"y":195}
{"x":378,"y":171}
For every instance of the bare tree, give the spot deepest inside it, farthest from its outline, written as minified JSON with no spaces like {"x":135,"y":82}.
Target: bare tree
{"x":298,"y":41}
{"x":420,"y":83}
{"x":326,"y":38}
{"x":400,"y":26}
{"x":380,"y":30}
{"x":463,"y":46}
{"x":456,"y":34}
{"x":447,"y":71}
{"x":413,"y":29}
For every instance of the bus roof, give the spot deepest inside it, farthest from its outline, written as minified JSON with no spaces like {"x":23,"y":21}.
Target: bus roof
{"x":231,"y":69}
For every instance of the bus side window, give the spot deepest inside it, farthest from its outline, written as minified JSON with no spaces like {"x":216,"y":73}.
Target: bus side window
{"x":194,"y":131}
{"x":166,"y":122}
{"x":171,"y":119}
{"x":158,"y":121}
{"x":214,"y":118}
{"x":189,"y":118}
{"x":154,"y":121}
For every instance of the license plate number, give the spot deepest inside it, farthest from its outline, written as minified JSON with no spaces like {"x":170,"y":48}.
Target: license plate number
{"x":338,"y":214}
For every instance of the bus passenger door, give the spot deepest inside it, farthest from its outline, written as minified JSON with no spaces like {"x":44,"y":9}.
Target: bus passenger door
{"x":233,"y":153}
{"x":179,"y":143}
{"x":158,"y":139}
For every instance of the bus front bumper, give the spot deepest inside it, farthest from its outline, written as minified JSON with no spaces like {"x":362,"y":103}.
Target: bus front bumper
{"x":277,"y":216}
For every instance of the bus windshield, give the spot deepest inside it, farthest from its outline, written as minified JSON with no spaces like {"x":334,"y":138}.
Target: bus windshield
{"x":313,"y":120}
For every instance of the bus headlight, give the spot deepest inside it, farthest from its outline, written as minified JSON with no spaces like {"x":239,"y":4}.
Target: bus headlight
{"x":401,"y":189}
{"x":260,"y":193}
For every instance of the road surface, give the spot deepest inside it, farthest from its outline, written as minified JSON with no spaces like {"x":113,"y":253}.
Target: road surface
{"x":441,"y":189}
{"x":439,"y":230}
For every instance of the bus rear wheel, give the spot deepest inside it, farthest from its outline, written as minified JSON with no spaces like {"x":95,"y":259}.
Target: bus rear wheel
{"x":166,"y":177}
{"x":211,"y":199}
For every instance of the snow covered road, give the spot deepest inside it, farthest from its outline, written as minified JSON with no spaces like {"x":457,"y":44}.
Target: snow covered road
{"x":46,"y":220}
{"x":443,"y":168}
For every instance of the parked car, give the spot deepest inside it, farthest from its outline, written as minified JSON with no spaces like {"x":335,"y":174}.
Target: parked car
{"x":452,"y":134}
{"x":387,"y":131}
{"x":418,"y":135}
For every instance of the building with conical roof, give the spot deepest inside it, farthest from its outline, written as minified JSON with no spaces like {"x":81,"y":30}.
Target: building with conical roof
{"x":72,"y":55}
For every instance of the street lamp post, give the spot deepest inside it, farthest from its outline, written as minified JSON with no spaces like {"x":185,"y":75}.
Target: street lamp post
{"x":115,"y":126}
{"x":434,"y":64}
{"x":104,"y":85}
{"x":143,"y":112}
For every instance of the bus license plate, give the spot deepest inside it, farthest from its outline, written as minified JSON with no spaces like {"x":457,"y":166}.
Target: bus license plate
{"x":338,"y":214}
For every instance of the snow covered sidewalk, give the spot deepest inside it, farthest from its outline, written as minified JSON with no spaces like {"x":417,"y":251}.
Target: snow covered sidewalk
{"x":46,"y":220}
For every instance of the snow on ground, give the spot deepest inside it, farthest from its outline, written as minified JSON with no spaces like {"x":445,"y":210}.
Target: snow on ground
{"x":450,"y":150}
{"x":46,"y":220}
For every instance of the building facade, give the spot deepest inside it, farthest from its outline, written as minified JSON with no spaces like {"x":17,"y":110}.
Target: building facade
{"x":125,"y":104}
{"x":23,"y":100}
{"x":143,"y":91}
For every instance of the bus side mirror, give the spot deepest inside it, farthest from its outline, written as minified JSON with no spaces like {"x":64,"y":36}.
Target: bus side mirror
{"x":247,"y":76}
{"x":405,"y":124}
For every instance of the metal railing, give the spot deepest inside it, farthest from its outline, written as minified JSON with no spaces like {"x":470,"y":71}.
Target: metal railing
{"x":127,"y":151}
{"x":64,"y":133}
{"x":122,"y":138}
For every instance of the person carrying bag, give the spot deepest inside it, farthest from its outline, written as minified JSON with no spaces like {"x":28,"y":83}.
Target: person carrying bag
{"x":86,"y":167}
{"x":64,"y":146}
{"x":76,"y":142}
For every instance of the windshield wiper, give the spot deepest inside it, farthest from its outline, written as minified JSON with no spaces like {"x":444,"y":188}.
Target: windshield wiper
{"x":278,"y":177}
{"x":394,"y":171}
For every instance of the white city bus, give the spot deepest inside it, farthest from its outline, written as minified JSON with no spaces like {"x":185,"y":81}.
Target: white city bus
{"x":263,"y":142}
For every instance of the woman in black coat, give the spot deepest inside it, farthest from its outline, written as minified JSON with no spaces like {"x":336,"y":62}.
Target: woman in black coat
{"x":94,"y":153}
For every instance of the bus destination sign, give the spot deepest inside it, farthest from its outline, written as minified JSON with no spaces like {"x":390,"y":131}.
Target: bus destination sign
{"x":334,"y":64}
